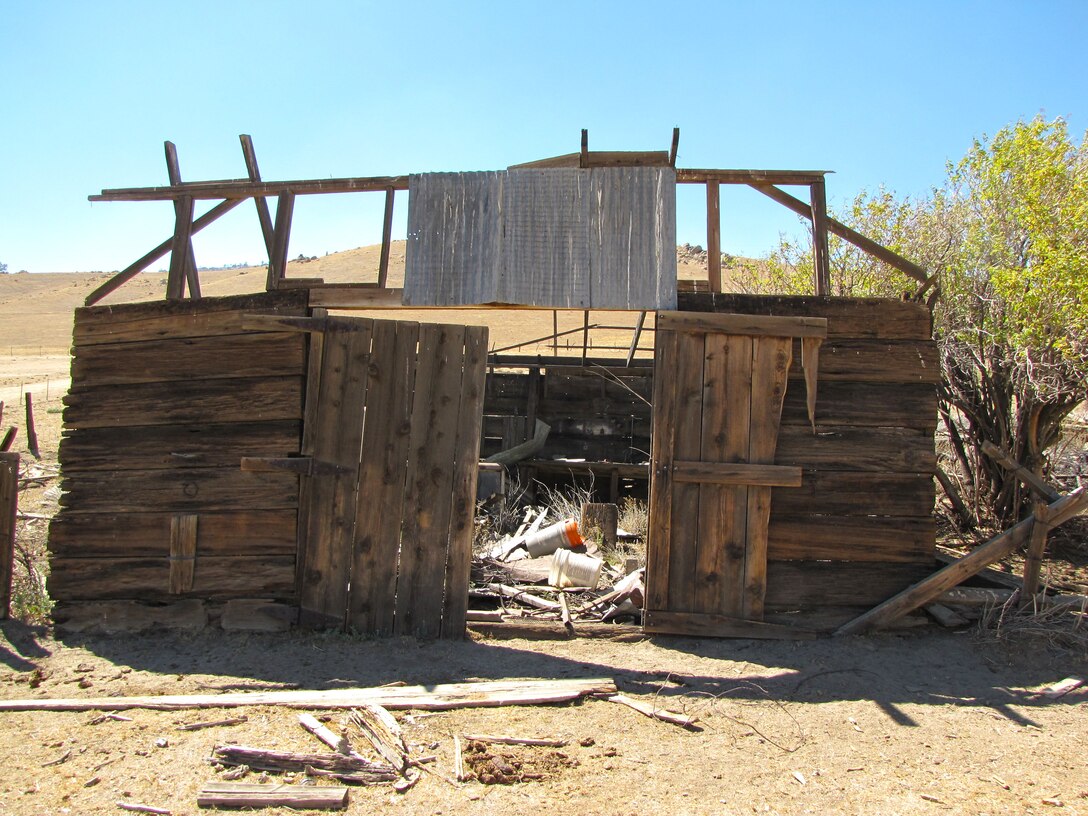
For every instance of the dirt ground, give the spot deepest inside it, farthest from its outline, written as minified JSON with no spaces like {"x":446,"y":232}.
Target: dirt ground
{"x":911,"y":723}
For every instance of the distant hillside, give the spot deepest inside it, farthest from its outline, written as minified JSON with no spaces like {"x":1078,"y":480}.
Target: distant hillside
{"x":37,"y":309}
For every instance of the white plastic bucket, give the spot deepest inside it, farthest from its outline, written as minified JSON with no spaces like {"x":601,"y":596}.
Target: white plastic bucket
{"x":563,"y":535}
{"x":571,"y":569}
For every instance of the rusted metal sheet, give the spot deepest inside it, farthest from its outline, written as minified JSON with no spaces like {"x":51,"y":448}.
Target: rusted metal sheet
{"x":602,"y":238}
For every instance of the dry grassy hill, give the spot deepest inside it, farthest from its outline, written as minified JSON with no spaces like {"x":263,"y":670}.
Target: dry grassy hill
{"x":36,"y":310}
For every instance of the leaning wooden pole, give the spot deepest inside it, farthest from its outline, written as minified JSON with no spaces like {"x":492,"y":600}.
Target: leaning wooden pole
{"x":993,"y":550}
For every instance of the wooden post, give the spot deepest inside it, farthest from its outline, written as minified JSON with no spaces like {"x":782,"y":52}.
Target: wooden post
{"x":9,"y":501}
{"x":675,"y":146}
{"x":31,"y":432}
{"x":277,"y":261}
{"x":583,"y":156}
{"x":585,"y":336}
{"x":555,"y":332}
{"x":387,"y":239}
{"x":821,"y":258}
{"x":179,"y":249}
{"x":1033,"y":560}
{"x":713,"y":237}
{"x":173,"y":170}
{"x":254,"y":172}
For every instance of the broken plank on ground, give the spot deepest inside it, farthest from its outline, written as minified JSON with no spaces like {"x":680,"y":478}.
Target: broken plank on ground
{"x":439,"y":697}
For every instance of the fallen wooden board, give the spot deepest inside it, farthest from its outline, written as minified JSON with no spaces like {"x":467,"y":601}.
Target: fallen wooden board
{"x":441,"y":697}
{"x":348,"y":767}
{"x":240,"y":794}
{"x":654,"y":712}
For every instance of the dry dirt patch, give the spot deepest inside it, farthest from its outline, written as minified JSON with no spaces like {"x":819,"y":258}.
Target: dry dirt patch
{"x":913,"y":723}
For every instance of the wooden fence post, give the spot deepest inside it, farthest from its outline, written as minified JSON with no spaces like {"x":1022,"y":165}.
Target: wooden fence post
{"x":821,"y":256}
{"x":713,"y":236}
{"x":9,"y":501}
{"x":31,"y":433}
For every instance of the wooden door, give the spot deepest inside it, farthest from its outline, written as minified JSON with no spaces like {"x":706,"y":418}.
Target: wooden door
{"x":718,"y":389}
{"x":391,"y":443}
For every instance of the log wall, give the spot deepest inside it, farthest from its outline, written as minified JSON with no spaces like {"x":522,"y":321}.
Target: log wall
{"x":166,"y":398}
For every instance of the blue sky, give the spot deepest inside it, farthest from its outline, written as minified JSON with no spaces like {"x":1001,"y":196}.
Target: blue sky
{"x":882,"y":93}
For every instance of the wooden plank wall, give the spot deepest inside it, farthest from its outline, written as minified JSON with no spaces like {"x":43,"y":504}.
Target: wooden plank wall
{"x":166,"y":398}
{"x":860,"y":527}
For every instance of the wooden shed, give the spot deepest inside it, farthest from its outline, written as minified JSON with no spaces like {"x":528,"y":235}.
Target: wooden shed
{"x":258,"y":452}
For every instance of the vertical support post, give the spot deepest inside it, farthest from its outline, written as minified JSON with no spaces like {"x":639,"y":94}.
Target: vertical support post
{"x":277,"y":261}
{"x":31,"y":432}
{"x":173,"y":170}
{"x":9,"y":502}
{"x":713,"y":237}
{"x":1033,"y":560}
{"x":821,"y":257}
{"x":254,"y":172}
{"x":675,"y":146}
{"x":555,"y":332}
{"x":585,"y":336}
{"x":387,"y":239}
{"x":583,"y":157}
{"x":179,"y":249}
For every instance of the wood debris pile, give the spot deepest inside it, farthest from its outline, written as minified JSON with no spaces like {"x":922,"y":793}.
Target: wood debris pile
{"x":551,"y":573}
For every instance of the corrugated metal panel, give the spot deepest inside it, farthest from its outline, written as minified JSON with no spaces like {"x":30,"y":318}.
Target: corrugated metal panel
{"x":567,"y":238}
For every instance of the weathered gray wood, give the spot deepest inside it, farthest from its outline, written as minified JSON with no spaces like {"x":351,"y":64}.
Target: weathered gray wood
{"x":248,"y":794}
{"x":601,"y":238}
{"x":438,"y":697}
{"x":9,"y":502}
{"x":194,"y":489}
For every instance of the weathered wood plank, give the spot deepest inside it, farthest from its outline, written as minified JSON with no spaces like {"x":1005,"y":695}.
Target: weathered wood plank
{"x":906,"y":450}
{"x":183,"y":533}
{"x":770,"y":370}
{"x":886,"y":405}
{"x":266,"y":354}
{"x":465,"y":471}
{"x":880,"y":318}
{"x":683,"y":535}
{"x":161,"y":320}
{"x":175,"y":446}
{"x":851,"y":538}
{"x":659,"y":525}
{"x":9,"y":504}
{"x":425,"y":532}
{"x":326,"y":567}
{"x":118,"y":406}
{"x":193,"y":489}
{"x":746,"y":324}
{"x":227,"y":533}
{"x":852,"y":494}
{"x":702,"y":624}
{"x":382,"y":469}
{"x":808,"y":585}
{"x":737,"y":474}
{"x":215,"y":578}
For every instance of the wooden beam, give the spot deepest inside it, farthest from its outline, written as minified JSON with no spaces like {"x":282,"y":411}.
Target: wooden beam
{"x":440,"y":697}
{"x":1032,"y":481}
{"x":659,"y":622}
{"x":254,"y":171}
{"x":134,"y":269}
{"x":737,"y":474}
{"x":675,"y":146}
{"x":713,"y":237}
{"x":993,"y":550}
{"x":753,"y":325}
{"x":585,"y":336}
{"x":244,"y":188}
{"x":179,"y":249}
{"x":821,"y":258}
{"x":277,"y":261}
{"x":846,"y":233}
{"x":701,"y":176}
{"x":248,"y":794}
{"x":583,"y":160}
{"x":1033,"y":559}
{"x":387,"y":239}
{"x":173,"y":171}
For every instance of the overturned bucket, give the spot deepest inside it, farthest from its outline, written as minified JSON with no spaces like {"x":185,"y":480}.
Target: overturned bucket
{"x":571,"y":569}
{"x":563,"y":535}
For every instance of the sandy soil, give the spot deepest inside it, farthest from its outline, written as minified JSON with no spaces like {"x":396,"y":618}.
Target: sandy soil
{"x":918,"y":723}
